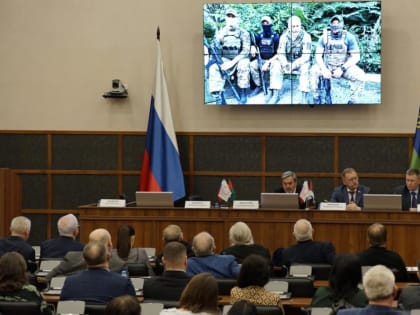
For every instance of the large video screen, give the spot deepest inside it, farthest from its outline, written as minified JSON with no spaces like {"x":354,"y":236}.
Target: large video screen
{"x":291,"y":54}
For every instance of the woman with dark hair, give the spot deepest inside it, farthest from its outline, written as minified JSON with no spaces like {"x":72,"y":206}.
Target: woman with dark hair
{"x":254,"y":275}
{"x":123,"y":305}
{"x":199,"y":297}
{"x":14,"y":285}
{"x":243,"y":308}
{"x":126,"y":251}
{"x":345,"y":276}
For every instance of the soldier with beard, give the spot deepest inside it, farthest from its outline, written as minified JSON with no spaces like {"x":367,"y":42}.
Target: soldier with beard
{"x":233,"y":44}
{"x":294,"y":55}
{"x":336,"y":56}
{"x":266,"y":44}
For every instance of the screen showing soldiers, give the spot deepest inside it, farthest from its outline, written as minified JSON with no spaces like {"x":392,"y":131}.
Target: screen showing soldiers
{"x":305,"y":53}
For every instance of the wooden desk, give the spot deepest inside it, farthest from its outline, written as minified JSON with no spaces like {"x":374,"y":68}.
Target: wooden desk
{"x":272,"y":228}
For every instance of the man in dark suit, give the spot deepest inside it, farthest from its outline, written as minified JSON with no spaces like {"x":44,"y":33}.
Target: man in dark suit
{"x":290,"y":185}
{"x":410,"y":191}
{"x":377,"y":254}
{"x":68,"y":229}
{"x":20,"y":229}
{"x":409,"y":297}
{"x":172,"y":282}
{"x":97,"y":284}
{"x":350,"y":191}
{"x":306,"y":250}
{"x":73,"y":261}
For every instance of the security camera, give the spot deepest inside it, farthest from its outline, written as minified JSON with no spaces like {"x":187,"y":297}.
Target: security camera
{"x":118,"y":90}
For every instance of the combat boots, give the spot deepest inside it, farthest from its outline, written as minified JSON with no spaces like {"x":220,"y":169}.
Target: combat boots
{"x":243,"y":97}
{"x":276,"y":97}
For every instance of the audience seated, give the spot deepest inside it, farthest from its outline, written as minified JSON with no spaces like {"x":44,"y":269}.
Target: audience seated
{"x":172,"y":233}
{"x":199,"y":297}
{"x":345,"y":276}
{"x":306,"y":250}
{"x":68,"y":229}
{"x":123,"y":305}
{"x":380,"y":289}
{"x":126,"y":251}
{"x":409,"y":297}
{"x":96,"y":284}
{"x":254,"y":275}
{"x":174,"y":279}
{"x":377,"y":254}
{"x":242,"y":308}
{"x":221,"y":266}
{"x":74,"y":262}
{"x":20,"y":229}
{"x":240,"y":236}
{"x":14,"y":286}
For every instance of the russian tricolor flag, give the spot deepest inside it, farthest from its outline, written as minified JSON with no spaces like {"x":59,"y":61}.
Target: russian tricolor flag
{"x":161,"y":169}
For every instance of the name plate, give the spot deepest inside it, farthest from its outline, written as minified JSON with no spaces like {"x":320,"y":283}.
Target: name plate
{"x":197,"y":204}
{"x":418,"y":208}
{"x":246,"y":204}
{"x":332,"y":206}
{"x":112,"y":203}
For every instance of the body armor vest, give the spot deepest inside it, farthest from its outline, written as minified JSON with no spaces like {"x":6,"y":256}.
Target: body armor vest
{"x":267,"y":47}
{"x":232,"y":44}
{"x":336,"y":49}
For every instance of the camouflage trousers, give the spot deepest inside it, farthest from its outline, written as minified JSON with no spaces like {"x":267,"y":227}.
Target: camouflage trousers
{"x":217,"y":82}
{"x":354,"y":74}
{"x":303,"y":72}
{"x":275,"y":74}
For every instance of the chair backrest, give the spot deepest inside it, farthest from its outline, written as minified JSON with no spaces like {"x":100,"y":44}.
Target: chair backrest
{"x":277,"y":286}
{"x":71,"y":307}
{"x":225,"y":285}
{"x":137,"y":270}
{"x":151,"y":308}
{"x":299,"y":287}
{"x":95,"y":309}
{"x":320,"y":311}
{"x":300,"y":271}
{"x":268,"y":310}
{"x":321,"y":271}
{"x":15,"y":308}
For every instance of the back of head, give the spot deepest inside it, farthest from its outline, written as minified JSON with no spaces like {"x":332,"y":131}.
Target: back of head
{"x":174,"y":254}
{"x":377,"y":234}
{"x":302,"y":230}
{"x":67,"y":225}
{"x":378,"y":283}
{"x":102,"y":236}
{"x":125,"y":233}
{"x":200,"y":294}
{"x":240,"y":234}
{"x":12,"y":272}
{"x":243,"y":308}
{"x":172,"y":233}
{"x":95,"y":253}
{"x":255,"y":271}
{"x":123,"y":305}
{"x":203,"y":244}
{"x":345,"y":276}
{"x":20,"y":226}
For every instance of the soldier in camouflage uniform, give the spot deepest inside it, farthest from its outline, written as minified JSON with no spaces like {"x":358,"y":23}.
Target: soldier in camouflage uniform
{"x":234,"y":46}
{"x":294,"y":55}
{"x":336,"y":56}
{"x":267,"y":43}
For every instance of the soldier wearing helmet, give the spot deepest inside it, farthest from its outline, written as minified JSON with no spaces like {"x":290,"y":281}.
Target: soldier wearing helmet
{"x":266,"y":44}
{"x":336,"y":56}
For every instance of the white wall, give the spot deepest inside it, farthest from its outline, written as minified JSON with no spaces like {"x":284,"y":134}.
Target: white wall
{"x":58,"y":57}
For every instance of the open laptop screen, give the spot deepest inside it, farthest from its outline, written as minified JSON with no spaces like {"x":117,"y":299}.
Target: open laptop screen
{"x":279,"y":201}
{"x":154,"y":199}
{"x":378,"y":202}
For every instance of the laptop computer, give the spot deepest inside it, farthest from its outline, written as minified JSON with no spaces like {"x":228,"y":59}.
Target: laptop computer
{"x":154,"y":199}
{"x":56,"y":285}
{"x":138,"y":285}
{"x":279,"y":200}
{"x":47,"y":265}
{"x":378,"y":202}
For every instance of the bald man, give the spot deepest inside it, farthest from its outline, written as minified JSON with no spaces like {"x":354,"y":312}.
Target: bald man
{"x":74,"y":262}
{"x":205,"y":260}
{"x":68,"y":229}
{"x":306,"y":250}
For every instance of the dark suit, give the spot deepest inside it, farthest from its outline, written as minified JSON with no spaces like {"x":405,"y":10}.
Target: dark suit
{"x":96,"y":286}
{"x":371,"y":310}
{"x":302,"y":204}
{"x":409,"y":297}
{"x":405,"y":197}
{"x":58,"y":247}
{"x":340,"y":194}
{"x":378,"y":255}
{"x":74,"y":262}
{"x":18,"y":244}
{"x":309,"y":252}
{"x":242,"y":251}
{"x":168,"y":286}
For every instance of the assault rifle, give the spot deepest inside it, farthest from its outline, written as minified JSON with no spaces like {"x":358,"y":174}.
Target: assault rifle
{"x":218,"y":60}
{"x":260,"y":64}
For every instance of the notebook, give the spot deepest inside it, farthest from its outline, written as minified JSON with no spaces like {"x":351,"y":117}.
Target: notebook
{"x":279,"y":201}
{"x":154,"y":199}
{"x":378,"y":202}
